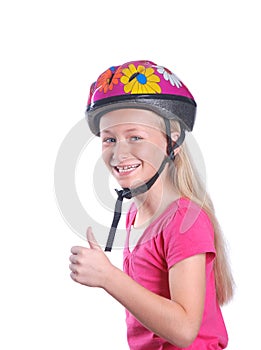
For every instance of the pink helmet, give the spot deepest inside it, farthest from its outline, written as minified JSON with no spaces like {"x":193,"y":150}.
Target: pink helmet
{"x":143,"y":85}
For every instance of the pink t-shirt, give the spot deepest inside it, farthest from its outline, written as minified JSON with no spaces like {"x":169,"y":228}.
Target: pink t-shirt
{"x":183,"y":230}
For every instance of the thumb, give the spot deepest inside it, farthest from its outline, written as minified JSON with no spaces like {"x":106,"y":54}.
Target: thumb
{"x":91,"y":239}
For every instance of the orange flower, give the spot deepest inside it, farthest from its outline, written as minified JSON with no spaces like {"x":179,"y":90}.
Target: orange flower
{"x":108,"y":79}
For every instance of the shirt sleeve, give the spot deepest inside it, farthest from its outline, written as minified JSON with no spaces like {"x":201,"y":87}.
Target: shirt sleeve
{"x":190,"y":232}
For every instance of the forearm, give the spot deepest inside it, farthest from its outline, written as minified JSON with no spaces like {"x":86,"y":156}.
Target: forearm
{"x":162,"y":316}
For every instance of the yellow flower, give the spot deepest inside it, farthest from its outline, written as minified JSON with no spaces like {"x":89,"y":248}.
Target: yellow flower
{"x":140,"y":80}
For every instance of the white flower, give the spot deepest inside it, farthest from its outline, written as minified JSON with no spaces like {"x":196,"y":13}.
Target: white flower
{"x":169,"y":76}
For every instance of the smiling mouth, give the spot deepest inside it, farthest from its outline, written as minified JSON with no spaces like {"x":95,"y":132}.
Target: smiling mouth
{"x":126,"y":168}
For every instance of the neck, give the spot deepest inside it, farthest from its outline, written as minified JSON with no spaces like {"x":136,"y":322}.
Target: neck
{"x":153,"y":203}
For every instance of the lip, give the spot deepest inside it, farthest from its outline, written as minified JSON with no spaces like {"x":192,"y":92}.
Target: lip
{"x":125,"y":169}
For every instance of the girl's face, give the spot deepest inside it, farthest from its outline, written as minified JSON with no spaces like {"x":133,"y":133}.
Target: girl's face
{"x":133,"y":145}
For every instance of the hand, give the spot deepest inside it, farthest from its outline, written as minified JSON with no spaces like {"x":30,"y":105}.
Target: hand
{"x":90,"y":266}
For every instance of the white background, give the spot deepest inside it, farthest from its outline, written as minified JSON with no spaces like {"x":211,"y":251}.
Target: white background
{"x":51,"y":51}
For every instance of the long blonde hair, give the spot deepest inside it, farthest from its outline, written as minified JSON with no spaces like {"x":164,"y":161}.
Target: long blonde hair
{"x":188,"y":183}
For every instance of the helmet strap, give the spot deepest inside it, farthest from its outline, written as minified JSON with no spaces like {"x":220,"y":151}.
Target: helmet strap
{"x":170,"y":147}
{"x":130,"y":193}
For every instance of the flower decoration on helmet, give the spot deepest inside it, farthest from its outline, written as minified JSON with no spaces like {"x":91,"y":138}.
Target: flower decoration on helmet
{"x":140,"y":80}
{"x":108,"y":79}
{"x":169,"y":76}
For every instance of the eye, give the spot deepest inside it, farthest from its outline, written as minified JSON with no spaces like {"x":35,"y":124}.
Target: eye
{"x":109,"y":140}
{"x":135,"y":138}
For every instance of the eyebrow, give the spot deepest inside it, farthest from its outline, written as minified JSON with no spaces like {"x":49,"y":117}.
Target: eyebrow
{"x":128,"y":130}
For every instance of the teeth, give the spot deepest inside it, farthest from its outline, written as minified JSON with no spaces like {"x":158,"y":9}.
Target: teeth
{"x":126,"y":168}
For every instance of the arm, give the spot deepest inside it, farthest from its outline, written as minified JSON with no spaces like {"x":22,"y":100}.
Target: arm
{"x":176,"y":320}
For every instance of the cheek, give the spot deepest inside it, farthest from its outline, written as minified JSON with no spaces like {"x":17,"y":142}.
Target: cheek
{"x":151,"y":153}
{"x":106,"y":156}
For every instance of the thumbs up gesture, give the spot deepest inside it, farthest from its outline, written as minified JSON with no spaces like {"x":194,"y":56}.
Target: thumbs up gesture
{"x":90,"y":266}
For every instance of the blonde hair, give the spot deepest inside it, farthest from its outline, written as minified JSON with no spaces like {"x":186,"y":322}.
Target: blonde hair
{"x":188,"y":183}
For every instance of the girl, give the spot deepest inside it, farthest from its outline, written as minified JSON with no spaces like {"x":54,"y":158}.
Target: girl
{"x":176,"y":275}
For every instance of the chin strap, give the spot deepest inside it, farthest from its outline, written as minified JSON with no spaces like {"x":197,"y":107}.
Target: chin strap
{"x":125,"y":193}
{"x":130,"y":193}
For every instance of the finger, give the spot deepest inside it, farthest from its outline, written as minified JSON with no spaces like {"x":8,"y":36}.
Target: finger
{"x":73,"y":268}
{"x":91,"y":239}
{"x":76,"y":250}
{"x":73,"y":259}
{"x":73,"y":276}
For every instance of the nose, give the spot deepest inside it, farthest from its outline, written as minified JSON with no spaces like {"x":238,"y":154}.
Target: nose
{"x":120,"y":152}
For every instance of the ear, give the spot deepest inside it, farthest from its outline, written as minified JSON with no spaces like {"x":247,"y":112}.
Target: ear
{"x":174,"y":136}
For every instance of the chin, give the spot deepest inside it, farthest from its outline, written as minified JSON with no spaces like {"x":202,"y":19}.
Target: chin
{"x":126,"y":184}
{"x":132,"y":184}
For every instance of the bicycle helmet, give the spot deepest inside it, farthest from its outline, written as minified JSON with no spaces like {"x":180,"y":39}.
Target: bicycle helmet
{"x":140,"y":84}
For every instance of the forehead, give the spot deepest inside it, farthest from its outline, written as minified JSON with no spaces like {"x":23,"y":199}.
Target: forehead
{"x":122,"y":118}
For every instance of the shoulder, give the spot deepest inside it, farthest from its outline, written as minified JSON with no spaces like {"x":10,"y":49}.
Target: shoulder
{"x":190,"y":214}
{"x":188,"y":233}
